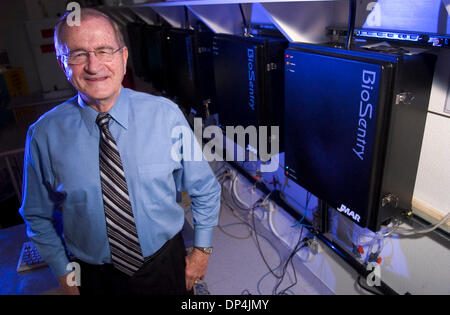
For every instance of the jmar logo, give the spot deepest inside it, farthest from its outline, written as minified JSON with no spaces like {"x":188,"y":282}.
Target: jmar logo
{"x":349,"y":212}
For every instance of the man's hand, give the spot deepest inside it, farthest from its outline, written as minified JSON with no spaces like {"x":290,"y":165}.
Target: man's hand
{"x":196,"y":264}
{"x":64,"y":283}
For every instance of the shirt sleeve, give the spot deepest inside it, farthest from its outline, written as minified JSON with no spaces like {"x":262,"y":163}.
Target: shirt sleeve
{"x":199,"y":181}
{"x":37,"y":206}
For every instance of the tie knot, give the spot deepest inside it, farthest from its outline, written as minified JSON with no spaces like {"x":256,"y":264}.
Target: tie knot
{"x":103,"y":120}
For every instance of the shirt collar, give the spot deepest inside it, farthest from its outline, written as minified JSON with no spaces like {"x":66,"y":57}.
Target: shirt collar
{"x":119,"y":111}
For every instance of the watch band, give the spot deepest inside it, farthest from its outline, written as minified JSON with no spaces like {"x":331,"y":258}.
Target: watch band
{"x":206,"y":250}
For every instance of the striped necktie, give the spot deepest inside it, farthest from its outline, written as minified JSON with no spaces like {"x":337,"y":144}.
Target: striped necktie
{"x":126,"y":253}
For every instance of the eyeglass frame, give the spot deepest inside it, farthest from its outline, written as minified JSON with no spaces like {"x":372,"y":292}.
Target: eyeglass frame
{"x":87,"y":53}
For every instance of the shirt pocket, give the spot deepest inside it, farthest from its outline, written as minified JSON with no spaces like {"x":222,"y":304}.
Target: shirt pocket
{"x":156,"y":183}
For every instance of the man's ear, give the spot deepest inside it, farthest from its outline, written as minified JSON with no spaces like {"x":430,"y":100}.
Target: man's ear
{"x":125,"y":58}
{"x":61,"y":64}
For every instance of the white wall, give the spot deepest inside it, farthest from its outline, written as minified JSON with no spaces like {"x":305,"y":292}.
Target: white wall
{"x":433,"y":177}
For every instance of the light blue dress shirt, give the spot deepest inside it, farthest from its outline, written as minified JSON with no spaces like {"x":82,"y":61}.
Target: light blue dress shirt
{"x":62,"y":171}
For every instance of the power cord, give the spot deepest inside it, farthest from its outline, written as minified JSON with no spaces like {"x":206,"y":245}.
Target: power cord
{"x":262,"y":202}
{"x":411,"y":232}
{"x":257,"y":241}
{"x":290,"y":260}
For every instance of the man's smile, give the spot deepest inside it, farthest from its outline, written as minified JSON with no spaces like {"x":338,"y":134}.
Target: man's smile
{"x":99,"y":79}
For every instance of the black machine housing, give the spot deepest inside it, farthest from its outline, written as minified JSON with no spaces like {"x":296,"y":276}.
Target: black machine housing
{"x":191,"y":78}
{"x":156,"y":56}
{"x":138,"y":50}
{"x":148,"y":47}
{"x":249,"y":80}
{"x":354,"y":122}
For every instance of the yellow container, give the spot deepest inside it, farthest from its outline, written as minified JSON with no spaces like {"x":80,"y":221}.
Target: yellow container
{"x":16,"y":82}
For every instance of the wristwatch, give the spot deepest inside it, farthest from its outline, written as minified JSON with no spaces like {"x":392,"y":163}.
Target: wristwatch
{"x":206,"y":250}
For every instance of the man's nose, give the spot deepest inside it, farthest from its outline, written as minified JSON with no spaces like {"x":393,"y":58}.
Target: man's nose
{"x":93,"y":64}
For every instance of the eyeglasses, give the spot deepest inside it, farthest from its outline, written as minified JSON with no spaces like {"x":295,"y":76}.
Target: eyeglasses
{"x":82,"y":56}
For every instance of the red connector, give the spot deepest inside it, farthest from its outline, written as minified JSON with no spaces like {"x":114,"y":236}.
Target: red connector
{"x":360,"y":249}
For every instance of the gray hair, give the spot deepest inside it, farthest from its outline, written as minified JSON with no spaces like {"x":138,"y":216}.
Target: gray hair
{"x":85,"y":14}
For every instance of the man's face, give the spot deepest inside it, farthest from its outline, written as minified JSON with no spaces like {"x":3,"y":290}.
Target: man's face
{"x":95,"y":80}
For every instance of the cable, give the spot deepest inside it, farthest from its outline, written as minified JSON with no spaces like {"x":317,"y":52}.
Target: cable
{"x":247,"y":169}
{"x":338,"y":249}
{"x":263,"y":202}
{"x":290,"y":259}
{"x":247,"y":292}
{"x":273,"y":229}
{"x":258,"y":203}
{"x":223,"y":166}
{"x":244,"y":21}
{"x":283,"y":197}
{"x":235,"y":194}
{"x":271,"y":225}
{"x":221,"y":227}
{"x":409,"y":232}
{"x":236,"y":204}
{"x":395,"y":230}
{"x":258,"y":244}
{"x":269,"y":272}
{"x":295,"y":250}
{"x":258,"y":286}
{"x":259,"y":248}
{"x":232,"y":206}
{"x":299,"y":222}
{"x":305,"y":208}
{"x":186,"y":18}
{"x":351,"y":23}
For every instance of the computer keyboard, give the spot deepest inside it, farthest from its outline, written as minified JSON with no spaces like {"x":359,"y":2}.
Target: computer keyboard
{"x":29,"y":258}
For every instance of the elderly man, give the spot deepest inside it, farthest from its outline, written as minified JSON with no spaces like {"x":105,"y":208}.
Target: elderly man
{"x":104,"y":159}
